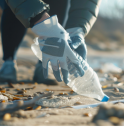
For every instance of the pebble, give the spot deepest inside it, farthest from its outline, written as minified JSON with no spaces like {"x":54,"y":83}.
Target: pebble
{"x":33,"y":87}
{"x":30,"y":97}
{"x":63,"y":94}
{"x":50,"y":97}
{"x":103,"y":123}
{"x":104,"y":86}
{"x":88,"y":114}
{"x":35,"y":94}
{"x":116,"y":89}
{"x":21,"y":92}
{"x":7,"y":89}
{"x":114,"y":120}
{"x":14,"y":119}
{"x":23,"y":89}
{"x":53,"y":113}
{"x":38,"y":108}
{"x":7,"y":117}
{"x":78,"y":103}
{"x":20,"y":103}
{"x":21,"y":112}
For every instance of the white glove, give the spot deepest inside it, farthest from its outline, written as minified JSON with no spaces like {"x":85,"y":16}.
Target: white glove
{"x":53,"y":42}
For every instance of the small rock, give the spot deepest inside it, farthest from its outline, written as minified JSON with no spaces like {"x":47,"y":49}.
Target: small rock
{"x":7,"y":89}
{"x":35,"y":94}
{"x":50,"y":97}
{"x":33,"y":87}
{"x":23,"y":89}
{"x":21,"y":112}
{"x":78,"y":103}
{"x":114,"y":120}
{"x":21,"y":92}
{"x":88,"y":114}
{"x":103,"y":123}
{"x":38,"y":108}
{"x":30,"y":97}
{"x":7,"y":117}
{"x":20,"y":103}
{"x":121,"y":123}
{"x":53,"y":113}
{"x":116,"y":89}
{"x":14,"y":119}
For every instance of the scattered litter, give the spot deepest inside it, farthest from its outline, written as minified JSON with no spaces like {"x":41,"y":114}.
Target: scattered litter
{"x":120,"y":84}
{"x":95,"y":105}
{"x":110,"y":67}
{"x":3,"y":98}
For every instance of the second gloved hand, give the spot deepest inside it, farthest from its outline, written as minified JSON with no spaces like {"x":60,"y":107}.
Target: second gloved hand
{"x":53,"y":42}
{"x":77,"y":42}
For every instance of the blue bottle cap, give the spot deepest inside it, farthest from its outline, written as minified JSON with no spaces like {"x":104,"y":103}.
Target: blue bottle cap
{"x":105,"y":98}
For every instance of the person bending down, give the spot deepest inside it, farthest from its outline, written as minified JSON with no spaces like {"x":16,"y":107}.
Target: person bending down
{"x":54,"y":41}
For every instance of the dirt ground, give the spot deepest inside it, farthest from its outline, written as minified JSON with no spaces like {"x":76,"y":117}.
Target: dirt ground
{"x":63,"y":116}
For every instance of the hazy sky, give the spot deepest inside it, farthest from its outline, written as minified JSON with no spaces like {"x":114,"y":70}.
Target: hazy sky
{"x":112,"y":8}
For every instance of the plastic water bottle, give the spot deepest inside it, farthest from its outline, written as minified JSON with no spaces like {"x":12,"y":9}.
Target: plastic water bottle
{"x":87,"y":85}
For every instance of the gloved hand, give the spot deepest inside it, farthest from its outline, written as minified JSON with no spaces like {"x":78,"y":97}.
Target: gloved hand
{"x":53,"y":42}
{"x":77,"y":42}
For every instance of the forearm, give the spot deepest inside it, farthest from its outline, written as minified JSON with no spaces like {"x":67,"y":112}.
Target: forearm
{"x":45,"y":16}
{"x":29,"y":11}
{"x":83,"y":13}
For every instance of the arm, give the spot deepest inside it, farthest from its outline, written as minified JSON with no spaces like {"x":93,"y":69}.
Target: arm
{"x":83,"y":13}
{"x":26,"y":10}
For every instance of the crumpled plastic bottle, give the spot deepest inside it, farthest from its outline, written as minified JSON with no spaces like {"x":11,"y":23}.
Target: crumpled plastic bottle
{"x":87,"y":85}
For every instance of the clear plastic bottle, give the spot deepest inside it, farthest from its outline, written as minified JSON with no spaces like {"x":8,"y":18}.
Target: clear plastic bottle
{"x":87,"y":85}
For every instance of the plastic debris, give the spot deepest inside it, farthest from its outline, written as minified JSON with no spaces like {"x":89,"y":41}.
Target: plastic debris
{"x":110,"y":67}
{"x":3,"y":98}
{"x":60,"y":101}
